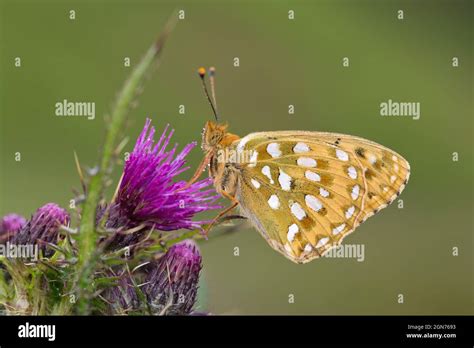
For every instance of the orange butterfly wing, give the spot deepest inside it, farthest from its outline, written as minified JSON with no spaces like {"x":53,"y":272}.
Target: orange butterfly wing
{"x":306,"y":191}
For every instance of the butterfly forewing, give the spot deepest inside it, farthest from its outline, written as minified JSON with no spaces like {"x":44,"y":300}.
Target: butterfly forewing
{"x":305,"y":191}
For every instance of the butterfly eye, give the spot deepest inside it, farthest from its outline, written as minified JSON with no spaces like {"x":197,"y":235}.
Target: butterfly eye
{"x":215,"y":138}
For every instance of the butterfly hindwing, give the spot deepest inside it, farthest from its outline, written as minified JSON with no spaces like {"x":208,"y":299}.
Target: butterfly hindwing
{"x":305,"y":191}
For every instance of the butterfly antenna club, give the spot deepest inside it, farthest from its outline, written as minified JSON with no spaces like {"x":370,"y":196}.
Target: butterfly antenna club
{"x":202,"y":75}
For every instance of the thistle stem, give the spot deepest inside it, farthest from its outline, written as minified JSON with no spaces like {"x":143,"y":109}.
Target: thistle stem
{"x":87,"y":239}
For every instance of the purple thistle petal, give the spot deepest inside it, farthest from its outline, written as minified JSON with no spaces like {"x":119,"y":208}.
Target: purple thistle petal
{"x":148,"y":193}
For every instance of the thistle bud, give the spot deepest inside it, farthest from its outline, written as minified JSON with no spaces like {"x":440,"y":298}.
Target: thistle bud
{"x":43,"y":227}
{"x":11,"y":223}
{"x":122,"y":298}
{"x":172,"y":281}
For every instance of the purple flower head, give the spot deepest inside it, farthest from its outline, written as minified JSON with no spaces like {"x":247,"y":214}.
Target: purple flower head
{"x":172,"y":281}
{"x":11,"y":223}
{"x":43,"y":227}
{"x":148,"y":193}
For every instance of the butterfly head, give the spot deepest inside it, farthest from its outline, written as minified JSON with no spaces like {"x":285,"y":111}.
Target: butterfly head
{"x":215,"y":136}
{"x":212,"y":135}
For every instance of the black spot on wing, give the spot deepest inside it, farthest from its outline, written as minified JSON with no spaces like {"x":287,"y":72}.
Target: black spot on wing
{"x":369,"y":174}
{"x":360,"y":152}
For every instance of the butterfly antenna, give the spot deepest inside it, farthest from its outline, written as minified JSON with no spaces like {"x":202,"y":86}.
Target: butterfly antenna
{"x":212,"y":74}
{"x":202,"y":74}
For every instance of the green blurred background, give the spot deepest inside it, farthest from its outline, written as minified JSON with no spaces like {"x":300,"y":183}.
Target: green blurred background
{"x":407,"y":251}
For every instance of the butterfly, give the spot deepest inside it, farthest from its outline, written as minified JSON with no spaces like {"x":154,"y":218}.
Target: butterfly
{"x":304,"y":191}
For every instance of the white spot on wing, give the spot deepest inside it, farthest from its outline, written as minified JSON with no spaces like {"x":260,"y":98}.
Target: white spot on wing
{"x":255,"y":183}
{"x":372,"y":159}
{"x":300,"y":147}
{"x":292,"y":231}
{"x":352,"y":172}
{"x":355,"y":192}
{"x":350,"y":212}
{"x":306,"y":162}
{"x":297,"y":211}
{"x":342,"y":155}
{"x":308,"y":248}
{"x":394,"y":158}
{"x":312,"y":176}
{"x":267,"y":173}
{"x":284,"y":180}
{"x":322,"y":242}
{"x":313,"y":202}
{"x":323,"y":192}
{"x":274,"y":202}
{"x":393,"y":178}
{"x":273,"y":150}
{"x":338,"y":229}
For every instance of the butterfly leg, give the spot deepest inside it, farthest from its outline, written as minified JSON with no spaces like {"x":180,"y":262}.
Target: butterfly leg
{"x":235,"y":203}
{"x":234,"y":227}
{"x":232,"y":217}
{"x":198,"y":172}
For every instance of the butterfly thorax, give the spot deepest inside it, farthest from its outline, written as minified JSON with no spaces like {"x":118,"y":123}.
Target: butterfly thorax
{"x":217,"y":145}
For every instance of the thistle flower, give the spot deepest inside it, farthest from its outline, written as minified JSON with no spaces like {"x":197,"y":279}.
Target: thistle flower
{"x":148,"y":193}
{"x":172,"y":281}
{"x":43,"y":227}
{"x":11,"y":223}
